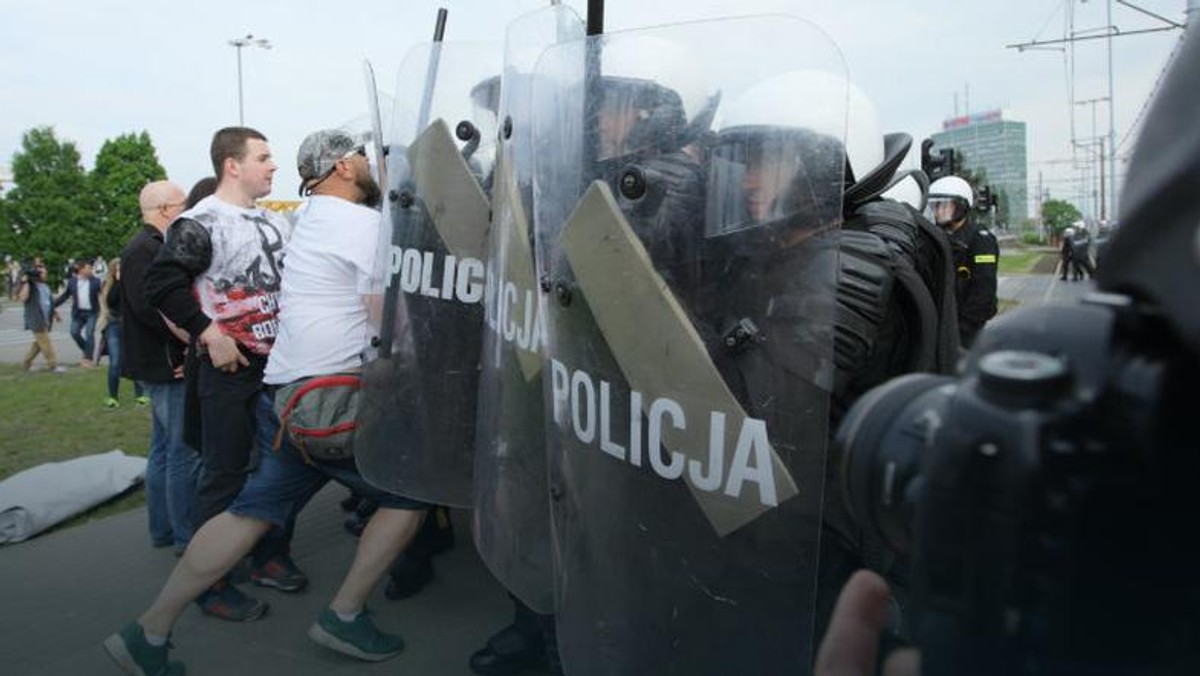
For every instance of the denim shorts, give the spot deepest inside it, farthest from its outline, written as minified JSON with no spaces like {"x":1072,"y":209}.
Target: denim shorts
{"x":283,"y":482}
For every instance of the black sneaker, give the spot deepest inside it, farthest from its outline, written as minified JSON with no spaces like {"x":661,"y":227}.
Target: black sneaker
{"x":409,"y":575}
{"x":227,"y":602}
{"x":279,"y":572}
{"x":134,"y":654}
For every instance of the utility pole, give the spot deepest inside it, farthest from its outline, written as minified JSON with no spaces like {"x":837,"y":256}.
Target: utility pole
{"x":1112,"y":116}
{"x":1109,"y":32}
{"x":238,"y":43}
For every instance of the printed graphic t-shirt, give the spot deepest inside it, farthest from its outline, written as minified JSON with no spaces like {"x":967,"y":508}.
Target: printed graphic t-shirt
{"x":240,"y":288}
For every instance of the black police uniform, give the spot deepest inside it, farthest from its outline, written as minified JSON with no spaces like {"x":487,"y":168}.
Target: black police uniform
{"x":976,"y":255}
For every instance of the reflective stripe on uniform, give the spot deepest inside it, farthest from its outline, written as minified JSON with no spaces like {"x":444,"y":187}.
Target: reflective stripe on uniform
{"x":985,"y":258}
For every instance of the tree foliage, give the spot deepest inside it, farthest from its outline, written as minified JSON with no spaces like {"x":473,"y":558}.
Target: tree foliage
{"x":47,"y":206}
{"x":123,"y":166}
{"x":1058,"y":215}
{"x":59,"y":211}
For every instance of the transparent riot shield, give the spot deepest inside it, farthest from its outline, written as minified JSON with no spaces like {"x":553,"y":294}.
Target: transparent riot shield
{"x":511,"y":520}
{"x":687,"y":181}
{"x":417,"y":413}
{"x":378,"y":142}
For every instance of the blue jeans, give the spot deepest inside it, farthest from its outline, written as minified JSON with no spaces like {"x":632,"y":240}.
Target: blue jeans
{"x":83,"y":331}
{"x":112,"y":338}
{"x":171,"y":468}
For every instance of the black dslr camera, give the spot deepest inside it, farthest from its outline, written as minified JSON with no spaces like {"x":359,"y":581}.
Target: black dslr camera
{"x":1045,"y":499}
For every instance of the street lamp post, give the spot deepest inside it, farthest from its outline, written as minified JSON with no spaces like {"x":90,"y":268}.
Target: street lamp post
{"x":238,"y":43}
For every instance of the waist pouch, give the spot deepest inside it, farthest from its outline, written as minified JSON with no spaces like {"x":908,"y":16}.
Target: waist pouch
{"x":319,"y":415}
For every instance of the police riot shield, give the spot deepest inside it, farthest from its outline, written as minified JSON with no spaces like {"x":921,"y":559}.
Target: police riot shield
{"x":511,"y":520}
{"x":687,"y":183}
{"x":416,"y":422}
{"x":378,"y":144}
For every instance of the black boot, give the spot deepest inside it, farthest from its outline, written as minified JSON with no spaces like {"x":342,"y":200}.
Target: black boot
{"x":409,"y":575}
{"x":357,"y":521}
{"x":509,"y":652}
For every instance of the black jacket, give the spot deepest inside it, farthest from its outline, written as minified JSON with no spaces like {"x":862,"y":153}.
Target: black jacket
{"x":151,"y":351}
{"x":73,"y":291}
{"x":976,"y":257}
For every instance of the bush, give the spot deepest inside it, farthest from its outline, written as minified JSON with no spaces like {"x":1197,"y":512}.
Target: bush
{"x":1033,"y":238}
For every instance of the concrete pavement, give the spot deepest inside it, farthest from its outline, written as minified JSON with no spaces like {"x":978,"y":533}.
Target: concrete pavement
{"x":63,"y":593}
{"x":15,"y":340}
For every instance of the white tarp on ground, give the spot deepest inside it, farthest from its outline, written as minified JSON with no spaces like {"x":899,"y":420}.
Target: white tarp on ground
{"x":36,"y":499}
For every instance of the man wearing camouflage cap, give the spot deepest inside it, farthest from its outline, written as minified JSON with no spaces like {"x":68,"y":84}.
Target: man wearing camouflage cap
{"x":322,"y":331}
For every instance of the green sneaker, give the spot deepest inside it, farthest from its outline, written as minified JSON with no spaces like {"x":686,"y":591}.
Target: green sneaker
{"x":143,"y":400}
{"x":130,"y":650}
{"x":109,"y":402}
{"x":360,"y":638}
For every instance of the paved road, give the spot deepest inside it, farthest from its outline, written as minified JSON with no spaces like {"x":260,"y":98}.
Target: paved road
{"x":15,"y":340}
{"x":1036,"y":289}
{"x":64,"y":592}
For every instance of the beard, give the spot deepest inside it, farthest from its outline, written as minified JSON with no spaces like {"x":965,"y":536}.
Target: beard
{"x":372,"y":196}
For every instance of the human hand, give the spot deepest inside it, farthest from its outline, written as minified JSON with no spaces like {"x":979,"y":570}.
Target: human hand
{"x":222,"y":350}
{"x":851,"y":644}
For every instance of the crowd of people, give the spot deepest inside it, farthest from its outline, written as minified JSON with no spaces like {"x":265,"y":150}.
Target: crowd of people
{"x":222,"y":306}
{"x":218,"y":308}
{"x":222,"y":311}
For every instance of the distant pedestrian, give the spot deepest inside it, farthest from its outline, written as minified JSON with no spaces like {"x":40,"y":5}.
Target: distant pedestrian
{"x":100,"y":267}
{"x":34,"y":292}
{"x":1064,"y":254}
{"x":83,"y":289}
{"x":12,"y":271}
{"x":109,"y":327}
{"x":1081,"y":254}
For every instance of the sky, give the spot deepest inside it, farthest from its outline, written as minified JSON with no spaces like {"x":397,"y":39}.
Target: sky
{"x":96,"y":69}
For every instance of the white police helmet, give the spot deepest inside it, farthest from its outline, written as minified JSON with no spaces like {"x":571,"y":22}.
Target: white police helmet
{"x":949,"y":190}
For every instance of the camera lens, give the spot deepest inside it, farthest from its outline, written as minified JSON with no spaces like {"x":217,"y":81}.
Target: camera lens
{"x":882,"y":440}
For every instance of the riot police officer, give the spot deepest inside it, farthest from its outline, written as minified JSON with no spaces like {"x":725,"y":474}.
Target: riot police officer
{"x":976,"y":254}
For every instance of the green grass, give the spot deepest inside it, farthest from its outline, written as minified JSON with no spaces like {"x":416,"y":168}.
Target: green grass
{"x":1020,"y":261}
{"x":50,"y":417}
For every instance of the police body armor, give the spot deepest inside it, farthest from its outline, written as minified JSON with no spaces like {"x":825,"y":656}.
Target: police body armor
{"x":417,"y":418}
{"x":511,"y":520}
{"x":689,"y":346}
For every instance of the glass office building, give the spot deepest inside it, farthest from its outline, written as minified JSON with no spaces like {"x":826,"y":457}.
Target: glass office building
{"x":995,"y":147}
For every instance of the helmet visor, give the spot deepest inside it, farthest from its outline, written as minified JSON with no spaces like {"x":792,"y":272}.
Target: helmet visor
{"x":757,"y":179}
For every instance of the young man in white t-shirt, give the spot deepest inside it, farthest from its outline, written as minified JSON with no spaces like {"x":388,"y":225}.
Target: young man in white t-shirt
{"x":217,"y":277}
{"x":322,"y":330}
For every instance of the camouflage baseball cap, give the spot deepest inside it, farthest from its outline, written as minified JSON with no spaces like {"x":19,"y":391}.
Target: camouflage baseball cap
{"x":320,"y":151}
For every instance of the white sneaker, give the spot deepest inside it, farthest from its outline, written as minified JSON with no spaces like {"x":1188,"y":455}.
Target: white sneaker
{"x":59,"y":369}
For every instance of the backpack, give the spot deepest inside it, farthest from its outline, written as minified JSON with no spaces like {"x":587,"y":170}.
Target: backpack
{"x":319,"y":415}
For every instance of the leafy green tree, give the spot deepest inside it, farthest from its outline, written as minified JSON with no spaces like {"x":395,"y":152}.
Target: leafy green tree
{"x":48,"y":205}
{"x":1058,"y":215}
{"x":123,"y":166}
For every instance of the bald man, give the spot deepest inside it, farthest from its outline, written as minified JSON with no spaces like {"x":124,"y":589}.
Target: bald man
{"x":153,"y":354}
